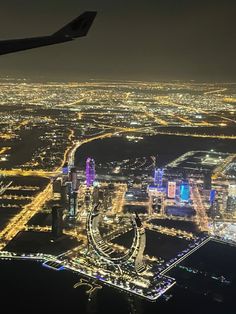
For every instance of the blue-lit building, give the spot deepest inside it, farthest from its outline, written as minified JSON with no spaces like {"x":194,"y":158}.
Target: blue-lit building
{"x":184,"y":191}
{"x":212,"y":196}
{"x":65,"y":168}
{"x":158,"y":177}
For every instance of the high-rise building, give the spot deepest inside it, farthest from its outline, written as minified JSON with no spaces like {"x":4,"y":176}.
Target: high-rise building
{"x":107,"y":199}
{"x":57,"y":188}
{"x":95,"y":194}
{"x":207,"y":181}
{"x":171,"y":191}
{"x":66,"y":190}
{"x":212,"y":196}
{"x":73,"y":178}
{"x":64,"y":194}
{"x":57,"y":221}
{"x":57,"y":185}
{"x":232,"y":190}
{"x":231,"y":204}
{"x":231,"y":200}
{"x":158,"y":177}
{"x":90,"y":171}
{"x":98,"y":194}
{"x":68,"y":185}
{"x":73,"y":204}
{"x":184,"y":191}
{"x":158,"y":203}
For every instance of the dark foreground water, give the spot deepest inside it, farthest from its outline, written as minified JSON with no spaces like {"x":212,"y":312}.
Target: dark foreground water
{"x":28,"y":287}
{"x":166,"y":147}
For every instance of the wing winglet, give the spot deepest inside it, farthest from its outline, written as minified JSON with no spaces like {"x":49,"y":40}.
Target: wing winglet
{"x":79,"y":27}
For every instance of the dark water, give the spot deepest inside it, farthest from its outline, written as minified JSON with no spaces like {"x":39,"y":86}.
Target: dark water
{"x":210,"y":275}
{"x":188,"y":226}
{"x":166,"y":147}
{"x":157,"y":244}
{"x":32,"y":288}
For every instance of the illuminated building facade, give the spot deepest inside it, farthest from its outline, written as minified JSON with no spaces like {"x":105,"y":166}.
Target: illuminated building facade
{"x":212,"y":196}
{"x":231,"y":200}
{"x":73,"y":178}
{"x":57,"y":188}
{"x":184,"y":191}
{"x":207,"y":181}
{"x":90,"y":171}
{"x":171,"y":190}
{"x":73,"y":204}
{"x":158,"y":177}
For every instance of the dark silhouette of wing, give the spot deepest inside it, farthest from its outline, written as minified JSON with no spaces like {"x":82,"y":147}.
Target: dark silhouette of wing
{"x":79,"y":27}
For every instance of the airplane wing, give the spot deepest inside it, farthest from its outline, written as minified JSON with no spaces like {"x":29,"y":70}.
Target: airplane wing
{"x":79,"y":27}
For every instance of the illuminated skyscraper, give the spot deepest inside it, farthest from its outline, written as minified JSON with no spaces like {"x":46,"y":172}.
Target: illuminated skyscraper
{"x":64,"y":195}
{"x":73,"y":178}
{"x":73,"y":204}
{"x":90,"y":171}
{"x":171,"y":192}
{"x":56,"y":188}
{"x":231,"y":200}
{"x":158,"y":177}
{"x":184,"y":191}
{"x":212,"y":196}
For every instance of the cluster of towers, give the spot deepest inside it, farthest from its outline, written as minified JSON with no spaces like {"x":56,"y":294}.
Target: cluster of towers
{"x":162,"y":189}
{"x":69,"y":191}
{"x":65,"y":191}
{"x":184,"y":188}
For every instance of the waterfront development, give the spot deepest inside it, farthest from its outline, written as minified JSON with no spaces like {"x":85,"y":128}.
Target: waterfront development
{"x":123,"y":184}
{"x":199,"y":278}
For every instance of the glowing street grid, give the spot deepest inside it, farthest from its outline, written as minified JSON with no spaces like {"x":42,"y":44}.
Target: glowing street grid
{"x":188,"y":199}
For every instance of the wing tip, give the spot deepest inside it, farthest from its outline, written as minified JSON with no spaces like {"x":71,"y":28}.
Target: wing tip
{"x":78,"y":27}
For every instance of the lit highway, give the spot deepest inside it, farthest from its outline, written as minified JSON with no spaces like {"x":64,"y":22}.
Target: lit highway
{"x":220,"y":170}
{"x":223,"y":137}
{"x":27,"y":173}
{"x":202,"y":217}
{"x":18,"y":223}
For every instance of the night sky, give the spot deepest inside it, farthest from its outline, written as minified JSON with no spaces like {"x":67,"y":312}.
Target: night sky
{"x":130,"y":39}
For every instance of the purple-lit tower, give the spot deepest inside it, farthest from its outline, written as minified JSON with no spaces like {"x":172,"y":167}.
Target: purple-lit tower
{"x":158,"y":177}
{"x":90,"y":171}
